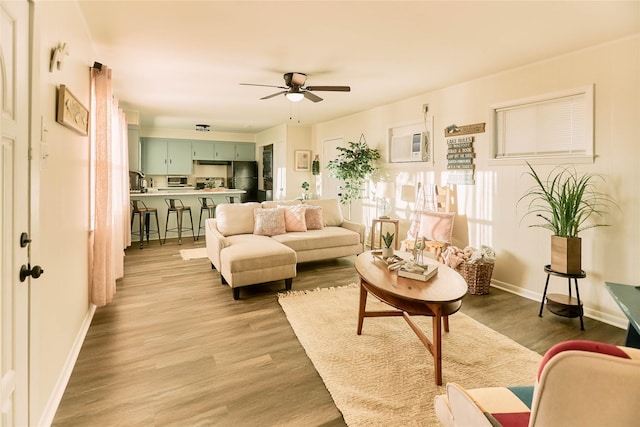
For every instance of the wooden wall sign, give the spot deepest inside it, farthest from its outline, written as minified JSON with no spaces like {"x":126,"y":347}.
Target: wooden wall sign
{"x":460,"y":163}
{"x":465,"y":130}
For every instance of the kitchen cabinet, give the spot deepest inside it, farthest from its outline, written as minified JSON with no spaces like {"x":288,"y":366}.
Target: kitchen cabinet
{"x":166,"y":157}
{"x":245,"y":151}
{"x":202,"y":150}
{"x":225,"y":151}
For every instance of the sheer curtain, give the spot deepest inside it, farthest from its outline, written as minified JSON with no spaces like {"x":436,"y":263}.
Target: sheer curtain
{"x":110,"y":214}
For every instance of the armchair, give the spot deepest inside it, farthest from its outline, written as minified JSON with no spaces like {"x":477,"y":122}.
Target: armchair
{"x":580,"y":383}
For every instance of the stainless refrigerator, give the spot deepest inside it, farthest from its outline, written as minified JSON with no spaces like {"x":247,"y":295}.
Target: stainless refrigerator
{"x":244,"y":176}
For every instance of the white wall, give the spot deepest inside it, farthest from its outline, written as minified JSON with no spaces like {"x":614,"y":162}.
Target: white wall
{"x":294,"y":138}
{"x":487,"y":210}
{"x":298,"y":138}
{"x":194,"y":134}
{"x":60,"y":210}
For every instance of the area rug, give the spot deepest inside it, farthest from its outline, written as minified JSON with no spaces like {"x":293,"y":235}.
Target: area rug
{"x":188,"y":254}
{"x":385,"y":376}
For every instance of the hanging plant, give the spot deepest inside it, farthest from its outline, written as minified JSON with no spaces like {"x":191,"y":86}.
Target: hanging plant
{"x":355,"y":163}
{"x":315,"y":165}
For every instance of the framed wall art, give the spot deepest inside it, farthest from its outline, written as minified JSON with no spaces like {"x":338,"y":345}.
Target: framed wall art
{"x":71,"y":113}
{"x":302,"y":160}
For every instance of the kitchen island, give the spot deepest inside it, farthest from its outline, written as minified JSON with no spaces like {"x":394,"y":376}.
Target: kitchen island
{"x":155,"y":199}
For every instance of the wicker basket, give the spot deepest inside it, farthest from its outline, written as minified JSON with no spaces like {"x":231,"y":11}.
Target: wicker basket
{"x":477,"y":276}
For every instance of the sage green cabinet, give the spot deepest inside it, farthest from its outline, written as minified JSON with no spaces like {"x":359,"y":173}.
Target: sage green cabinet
{"x":162,"y":156}
{"x":245,"y":151}
{"x":166,"y":157}
{"x":225,"y":151}
{"x":202,"y":150}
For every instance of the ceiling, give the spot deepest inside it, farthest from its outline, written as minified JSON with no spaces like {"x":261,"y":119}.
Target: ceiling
{"x":179,"y":63}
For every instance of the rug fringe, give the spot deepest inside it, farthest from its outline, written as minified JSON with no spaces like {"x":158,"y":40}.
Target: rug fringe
{"x":318,"y":289}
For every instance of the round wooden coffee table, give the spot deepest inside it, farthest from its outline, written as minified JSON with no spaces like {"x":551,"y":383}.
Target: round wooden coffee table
{"x":438,"y":297}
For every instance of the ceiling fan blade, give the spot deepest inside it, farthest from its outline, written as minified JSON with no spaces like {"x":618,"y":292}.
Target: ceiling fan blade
{"x":253,"y":84}
{"x":312,"y":96}
{"x":275,"y":94}
{"x":330,"y":88}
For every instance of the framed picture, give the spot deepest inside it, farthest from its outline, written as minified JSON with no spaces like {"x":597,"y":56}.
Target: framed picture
{"x":302,"y":161}
{"x":71,"y":113}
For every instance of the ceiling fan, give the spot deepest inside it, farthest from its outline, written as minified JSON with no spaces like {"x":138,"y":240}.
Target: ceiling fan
{"x":295,"y":89}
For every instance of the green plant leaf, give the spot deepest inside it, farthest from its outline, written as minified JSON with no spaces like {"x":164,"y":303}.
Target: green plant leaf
{"x":565,"y":200}
{"x":388,"y":239}
{"x":354,"y":164}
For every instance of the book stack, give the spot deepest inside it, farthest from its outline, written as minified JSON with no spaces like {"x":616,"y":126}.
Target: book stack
{"x":428,"y":271}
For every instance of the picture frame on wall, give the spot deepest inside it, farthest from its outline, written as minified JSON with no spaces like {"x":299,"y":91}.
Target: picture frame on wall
{"x":71,"y":113}
{"x":302,"y":159}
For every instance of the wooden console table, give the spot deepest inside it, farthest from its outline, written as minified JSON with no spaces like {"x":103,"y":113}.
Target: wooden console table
{"x":563,"y":305}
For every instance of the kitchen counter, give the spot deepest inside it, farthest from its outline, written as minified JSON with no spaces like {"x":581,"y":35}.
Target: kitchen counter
{"x":180,"y":192}
{"x":155,"y":199}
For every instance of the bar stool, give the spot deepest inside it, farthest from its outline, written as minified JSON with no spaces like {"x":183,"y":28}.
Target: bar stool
{"x":232,"y":199}
{"x":206,"y":204}
{"x":176,"y":205}
{"x":139,"y":208}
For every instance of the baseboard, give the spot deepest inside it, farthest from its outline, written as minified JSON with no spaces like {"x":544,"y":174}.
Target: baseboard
{"x":50,"y":409}
{"x":618,"y":321}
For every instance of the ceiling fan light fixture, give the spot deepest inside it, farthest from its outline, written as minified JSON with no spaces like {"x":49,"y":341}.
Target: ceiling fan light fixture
{"x":294,"y":96}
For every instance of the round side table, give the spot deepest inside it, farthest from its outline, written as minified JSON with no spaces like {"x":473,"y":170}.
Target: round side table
{"x":563,"y":305}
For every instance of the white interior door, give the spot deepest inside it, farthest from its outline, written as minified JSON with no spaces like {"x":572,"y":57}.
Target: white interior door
{"x":14,"y":211}
{"x":279,"y":171}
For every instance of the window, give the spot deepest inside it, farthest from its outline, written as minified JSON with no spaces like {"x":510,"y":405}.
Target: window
{"x":546,"y":127}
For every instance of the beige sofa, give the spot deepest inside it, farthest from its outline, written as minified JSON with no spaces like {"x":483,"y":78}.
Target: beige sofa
{"x":251,"y":243}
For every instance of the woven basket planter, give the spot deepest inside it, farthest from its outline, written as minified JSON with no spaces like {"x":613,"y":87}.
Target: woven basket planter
{"x":477,"y":276}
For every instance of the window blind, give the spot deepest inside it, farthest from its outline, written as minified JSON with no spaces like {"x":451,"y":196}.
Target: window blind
{"x":558,"y":126}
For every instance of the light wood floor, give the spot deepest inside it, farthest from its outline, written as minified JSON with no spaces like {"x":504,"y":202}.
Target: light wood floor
{"x":175,"y":349}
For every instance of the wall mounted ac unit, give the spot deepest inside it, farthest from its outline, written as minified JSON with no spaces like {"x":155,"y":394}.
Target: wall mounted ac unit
{"x":407,"y":148}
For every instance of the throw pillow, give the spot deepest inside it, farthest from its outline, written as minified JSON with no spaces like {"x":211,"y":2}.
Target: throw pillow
{"x":269,"y":222}
{"x":331,"y":212}
{"x":294,"y":218}
{"x":313,"y":217}
{"x":436,"y":226}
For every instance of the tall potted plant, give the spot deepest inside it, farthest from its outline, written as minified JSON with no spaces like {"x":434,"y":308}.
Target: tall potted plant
{"x":354,"y":164}
{"x":565,"y":200}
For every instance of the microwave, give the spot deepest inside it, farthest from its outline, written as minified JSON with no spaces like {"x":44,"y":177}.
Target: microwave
{"x":176,"y":181}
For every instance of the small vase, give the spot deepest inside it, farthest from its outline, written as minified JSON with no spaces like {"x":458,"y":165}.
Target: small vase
{"x":387,"y":252}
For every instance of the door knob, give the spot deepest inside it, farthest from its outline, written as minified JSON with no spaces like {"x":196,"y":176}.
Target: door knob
{"x":26,"y":271}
